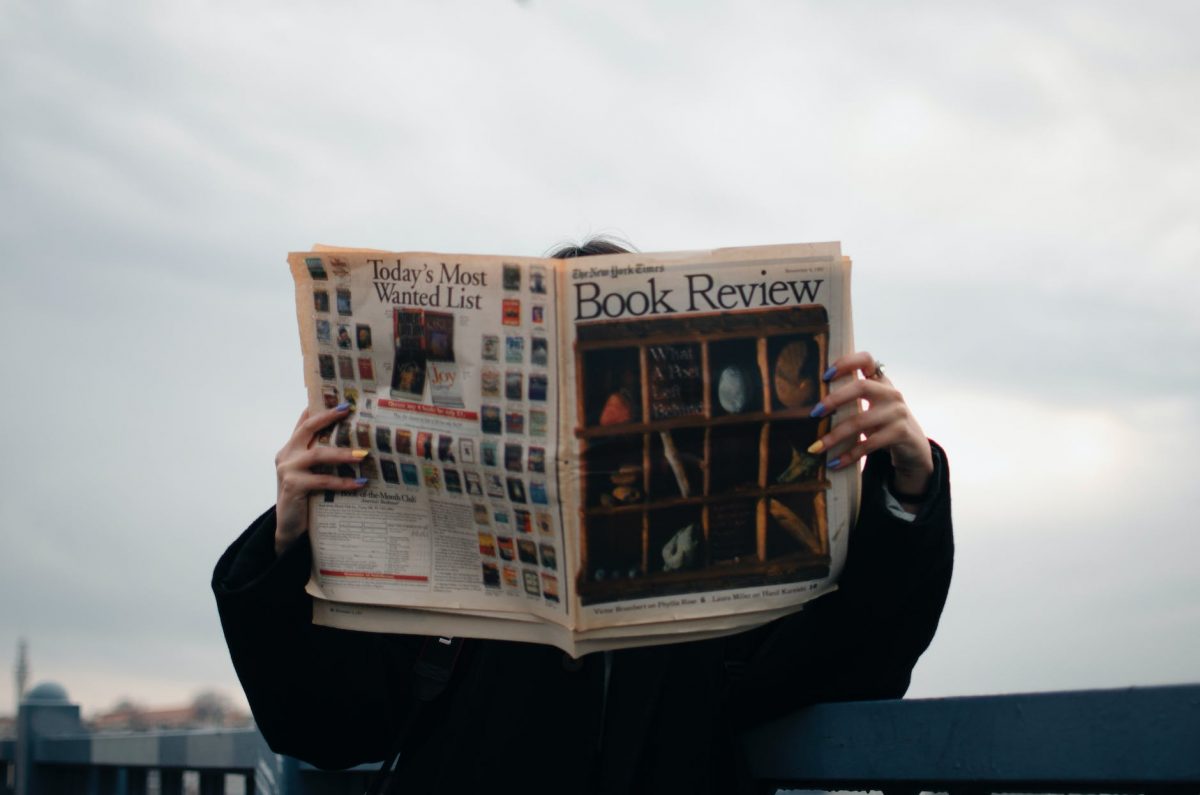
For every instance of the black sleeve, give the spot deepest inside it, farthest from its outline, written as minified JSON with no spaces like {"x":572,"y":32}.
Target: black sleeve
{"x":330,"y":697}
{"x":862,"y":641}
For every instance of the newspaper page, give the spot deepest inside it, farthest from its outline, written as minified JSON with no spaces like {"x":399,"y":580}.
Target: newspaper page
{"x":593,"y":454}
{"x":447,"y":361}
{"x":686,"y":442}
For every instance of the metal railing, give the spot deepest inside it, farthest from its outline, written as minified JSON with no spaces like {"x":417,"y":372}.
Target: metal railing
{"x":1115,"y":741}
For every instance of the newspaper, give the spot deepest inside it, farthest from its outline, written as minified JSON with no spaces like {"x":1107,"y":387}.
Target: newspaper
{"x":590,"y":453}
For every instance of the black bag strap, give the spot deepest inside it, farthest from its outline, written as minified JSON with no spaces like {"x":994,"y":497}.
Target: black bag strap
{"x":431,"y":673}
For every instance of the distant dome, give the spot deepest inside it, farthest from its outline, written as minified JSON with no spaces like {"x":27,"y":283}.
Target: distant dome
{"x":47,"y":693}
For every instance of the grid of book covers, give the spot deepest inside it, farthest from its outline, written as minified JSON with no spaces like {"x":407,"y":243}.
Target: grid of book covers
{"x":452,"y":396}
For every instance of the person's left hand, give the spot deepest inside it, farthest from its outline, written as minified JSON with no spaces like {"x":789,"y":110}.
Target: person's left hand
{"x":886,"y":424}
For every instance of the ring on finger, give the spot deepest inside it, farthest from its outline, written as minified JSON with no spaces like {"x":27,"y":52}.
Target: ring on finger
{"x":877,"y":374}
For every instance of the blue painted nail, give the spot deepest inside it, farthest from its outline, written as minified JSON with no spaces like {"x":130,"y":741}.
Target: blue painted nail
{"x":833,"y":463}
{"x":345,"y":404}
{"x":830,"y":373}
{"x":360,"y":481}
{"x":818,"y":410}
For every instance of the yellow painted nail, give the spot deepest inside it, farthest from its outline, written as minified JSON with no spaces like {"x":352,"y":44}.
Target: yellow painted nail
{"x":361,"y":454}
{"x":816,"y":447}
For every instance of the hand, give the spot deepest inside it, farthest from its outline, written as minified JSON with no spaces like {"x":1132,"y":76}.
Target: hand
{"x":886,"y":424}
{"x":294,"y":477}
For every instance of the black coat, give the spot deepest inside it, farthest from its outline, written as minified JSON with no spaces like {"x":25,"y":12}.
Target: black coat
{"x":527,"y":718}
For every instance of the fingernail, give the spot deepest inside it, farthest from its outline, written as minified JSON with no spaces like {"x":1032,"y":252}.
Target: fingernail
{"x":360,"y":481}
{"x":830,"y":373}
{"x":818,"y":410}
{"x":360,"y":454}
{"x":816,"y":447}
{"x":345,"y":404}
{"x":833,"y":463}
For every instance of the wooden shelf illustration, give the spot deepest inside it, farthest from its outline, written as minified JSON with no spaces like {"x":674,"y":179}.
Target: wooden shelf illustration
{"x":694,"y":472}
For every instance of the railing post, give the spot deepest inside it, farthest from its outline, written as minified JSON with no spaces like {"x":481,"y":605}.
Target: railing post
{"x":135,"y":780}
{"x":212,"y":782}
{"x":97,"y":780}
{"x":170,"y":781}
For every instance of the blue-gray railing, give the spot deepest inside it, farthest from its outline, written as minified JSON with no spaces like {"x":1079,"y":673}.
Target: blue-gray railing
{"x":1116,"y":741}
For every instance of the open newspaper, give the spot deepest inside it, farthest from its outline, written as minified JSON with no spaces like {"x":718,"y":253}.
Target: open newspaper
{"x":590,"y":453}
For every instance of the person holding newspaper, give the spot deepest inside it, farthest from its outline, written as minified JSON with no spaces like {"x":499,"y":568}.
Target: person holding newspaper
{"x":654,"y":719}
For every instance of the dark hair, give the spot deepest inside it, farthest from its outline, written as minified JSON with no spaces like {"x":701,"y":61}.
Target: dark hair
{"x":590,"y":248}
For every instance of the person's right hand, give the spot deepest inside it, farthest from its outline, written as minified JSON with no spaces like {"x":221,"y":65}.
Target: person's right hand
{"x":294,"y":477}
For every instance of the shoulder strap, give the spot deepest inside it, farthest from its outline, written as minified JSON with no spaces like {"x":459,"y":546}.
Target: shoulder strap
{"x":431,"y":673}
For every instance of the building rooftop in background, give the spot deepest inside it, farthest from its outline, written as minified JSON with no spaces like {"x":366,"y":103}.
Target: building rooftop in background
{"x":207,"y":711}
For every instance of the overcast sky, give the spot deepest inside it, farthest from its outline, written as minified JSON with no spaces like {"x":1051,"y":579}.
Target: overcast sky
{"x":1017,"y":184}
